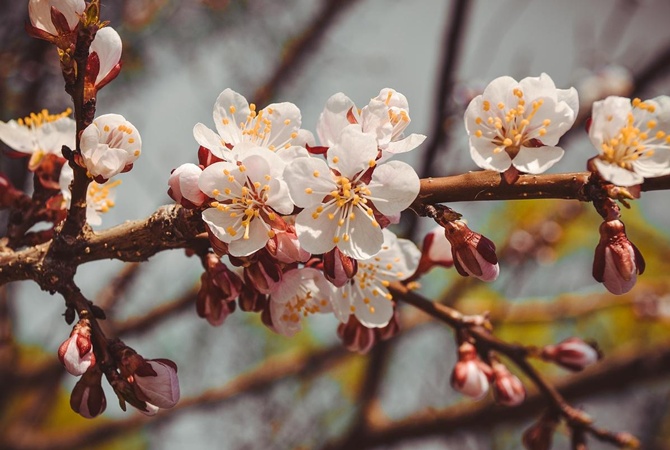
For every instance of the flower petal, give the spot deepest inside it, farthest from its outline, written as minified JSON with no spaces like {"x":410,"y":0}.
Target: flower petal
{"x":353,"y":152}
{"x":537,"y":160}
{"x":394,"y":186}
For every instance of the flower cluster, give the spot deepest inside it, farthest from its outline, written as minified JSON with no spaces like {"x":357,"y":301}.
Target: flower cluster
{"x":305,"y":221}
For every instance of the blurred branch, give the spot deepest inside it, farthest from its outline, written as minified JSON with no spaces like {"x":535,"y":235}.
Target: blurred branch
{"x":117,"y":287}
{"x":300,"y":48}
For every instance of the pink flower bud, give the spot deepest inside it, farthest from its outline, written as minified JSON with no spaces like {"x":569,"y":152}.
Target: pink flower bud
{"x":76,"y":353}
{"x":473,"y":254}
{"x":104,"y":59}
{"x":356,"y":337}
{"x":285,"y":246}
{"x":66,"y":15}
{"x":158,"y":383}
{"x":572,"y":353}
{"x":540,"y":435}
{"x":470,"y":375}
{"x":184,"y":188}
{"x":264,"y":274}
{"x":507,"y":387}
{"x":338,"y":267}
{"x":617,"y":260}
{"x":218,"y":290}
{"x":88,"y":398}
{"x":436,"y":251}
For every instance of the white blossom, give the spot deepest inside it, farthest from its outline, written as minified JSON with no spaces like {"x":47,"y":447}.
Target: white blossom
{"x":633,"y":139}
{"x":248,"y":196}
{"x":109,"y":146}
{"x":519,"y":123}
{"x":340,"y":198}
{"x":99,"y":197}
{"x":367,"y":295}
{"x":39,"y":135}
{"x":40,"y":13}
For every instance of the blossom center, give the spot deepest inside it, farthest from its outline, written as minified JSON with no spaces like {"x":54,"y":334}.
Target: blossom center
{"x":303,"y":304}
{"x":243,"y":202}
{"x":43,"y":117}
{"x":635,"y":139}
{"x":511,"y":127}
{"x":257,"y":128}
{"x":98,"y":195}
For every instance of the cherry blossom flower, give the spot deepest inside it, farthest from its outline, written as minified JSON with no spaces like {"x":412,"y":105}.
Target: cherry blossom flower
{"x":341,"y":199}
{"x":39,"y":135}
{"x":41,"y":19}
{"x":275,"y":127}
{"x":300,"y":293}
{"x":385,"y":117}
{"x":633,"y":139}
{"x":248,"y":196}
{"x":103,"y":58}
{"x":110,"y":145}
{"x":366,"y":295}
{"x":99,"y":197}
{"x":519,"y":123}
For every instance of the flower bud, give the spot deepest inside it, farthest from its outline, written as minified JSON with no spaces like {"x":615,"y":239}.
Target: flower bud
{"x":251,"y":300}
{"x":435,"y":251}
{"x":61,"y":20}
{"x":358,"y":338}
{"x":617,"y":260}
{"x":285,"y":246}
{"x":218,"y":290}
{"x":158,"y":383}
{"x":540,"y":435}
{"x":473,"y":254}
{"x":507,"y":387}
{"x":76,"y":353}
{"x":470,"y":375}
{"x":572,"y":353}
{"x":338,"y":267}
{"x":88,"y":398}
{"x":104,"y":60}
{"x":184,"y":188}
{"x":264,"y":274}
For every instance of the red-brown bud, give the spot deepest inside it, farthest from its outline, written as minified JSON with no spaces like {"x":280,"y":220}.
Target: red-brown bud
{"x":572,"y":353}
{"x":540,"y":435}
{"x":88,"y":398}
{"x":76,"y":353}
{"x":473,"y":254}
{"x":356,"y":337}
{"x":507,"y":387}
{"x":218,"y":290}
{"x":617,"y":260}
{"x":338,"y":267}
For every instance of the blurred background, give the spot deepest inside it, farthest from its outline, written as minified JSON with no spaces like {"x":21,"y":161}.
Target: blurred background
{"x":244,"y":387}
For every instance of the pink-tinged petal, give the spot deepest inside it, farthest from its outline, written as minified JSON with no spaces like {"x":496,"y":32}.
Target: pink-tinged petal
{"x":161,"y":390}
{"x":188,"y":183}
{"x":354,"y":152}
{"x":375,"y":314}
{"x":409,"y":257}
{"x":333,"y":119}
{"x":258,"y":237}
{"x":365,"y":240}
{"x":278,"y":198}
{"x":40,"y":13}
{"x":394,"y":187}
{"x":439,"y":249}
{"x":483,"y":154}
{"x":107,"y":44}
{"x":210,"y":140}
{"x":537,"y":160}
{"x":404,"y":145}
{"x":309,"y":181}
{"x":617,"y":175}
{"x":230,"y":110}
{"x":315,"y":234}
